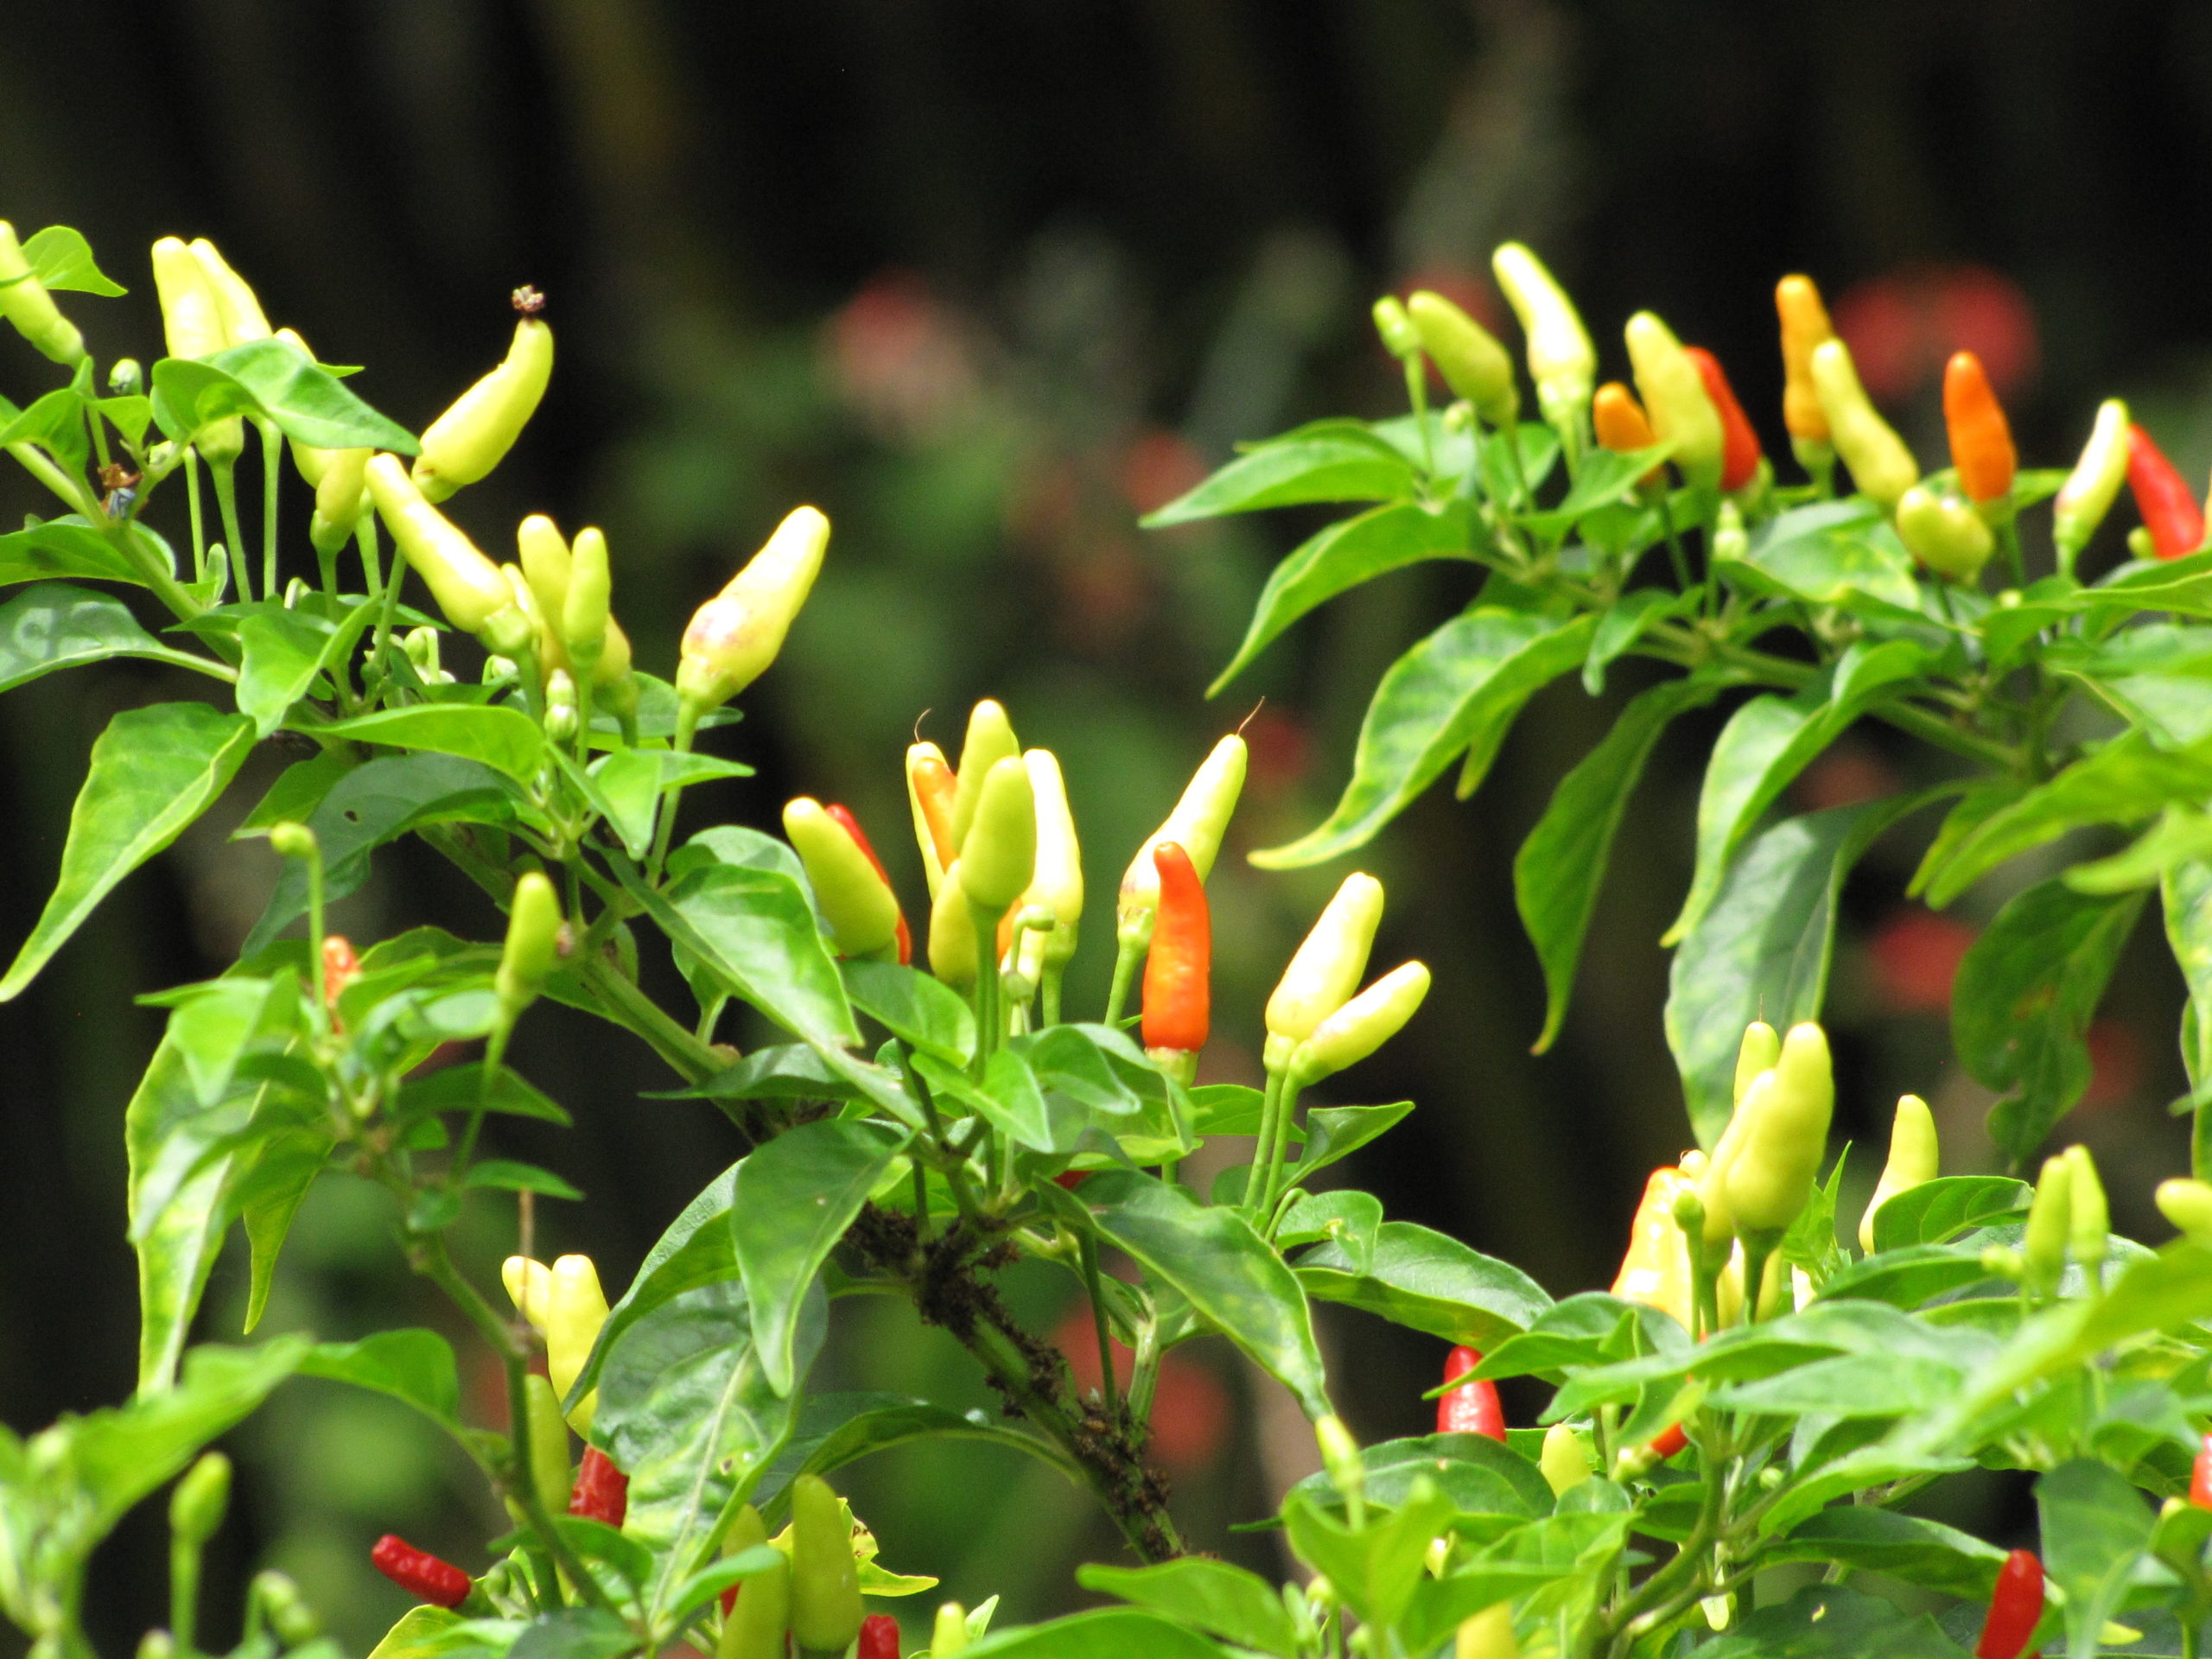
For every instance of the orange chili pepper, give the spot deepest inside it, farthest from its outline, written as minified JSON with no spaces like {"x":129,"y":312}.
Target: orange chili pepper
{"x":844,"y":818}
{"x":1176,"y":992}
{"x":1622,"y":426}
{"x":935,"y":785}
{"x":1739,"y":449}
{"x":341,"y":967}
{"x":1981,"y":438}
{"x":1804,"y":325}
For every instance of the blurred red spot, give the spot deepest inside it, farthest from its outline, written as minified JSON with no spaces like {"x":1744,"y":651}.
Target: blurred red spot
{"x":1902,"y":326}
{"x":1190,"y":1406}
{"x":2115,"y":1065}
{"x":1279,"y":752}
{"x":899,"y":355}
{"x":1844,"y":776}
{"x":1466,"y":288}
{"x":1159,"y":468}
{"x":1915,"y":956}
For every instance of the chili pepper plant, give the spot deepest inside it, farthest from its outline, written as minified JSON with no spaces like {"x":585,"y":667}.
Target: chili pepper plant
{"x":1741,"y":1426}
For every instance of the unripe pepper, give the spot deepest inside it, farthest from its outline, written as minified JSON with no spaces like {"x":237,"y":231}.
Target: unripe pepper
{"x":2015,"y":1608}
{"x":1201,"y":818}
{"x":844,"y":818}
{"x":754,"y":1626}
{"x":1981,"y":438}
{"x":2187,"y":1205}
{"x":474,"y":434}
{"x":601,"y":1491}
{"x":26,"y":303}
{"x":1472,"y":361}
{"x":1487,"y":1635}
{"x":1740,"y":452}
{"x":467,"y":586}
{"x":1675,"y":398}
{"x":1944,"y":532}
{"x":825,"y":1579}
{"x":1804,"y":325}
{"x":582,"y":617}
{"x":2087,"y":494}
{"x":989,"y":740}
{"x":545,"y":1443}
{"x":1472,"y":1407}
{"x":848,"y":884}
{"x":2200,"y":1475}
{"x":542,"y":553}
{"x":1755,"y":1058}
{"x":237,"y":306}
{"x":1057,"y":881}
{"x":1913,"y":1161}
{"x":1362,"y":1025}
{"x":1561,"y":360}
{"x":998,"y":855}
{"x":1772,"y":1174}
{"x":566,"y":1305}
{"x":2168,"y":505}
{"x":563,"y":713}
{"x":197,"y":1506}
{"x":1326,"y":968}
{"x":1341,"y":1456}
{"x":2042,"y":1247}
{"x":1881,"y":466}
{"x":954,"y":958}
{"x":419,"y":1573}
{"x":879,"y":1638}
{"x":949,"y":1634}
{"x":1729,"y":539}
{"x":1399,"y":338}
{"x":1177,"y":971}
{"x":1564,"y":1464}
{"x":733,"y":637}
{"x":1623,"y":426}
{"x":1655,"y":1268}
{"x":2089,"y":1216}
{"x":1760,"y":1049}
{"x":533,"y":943}
{"x":338,"y":498}
{"x":192,"y":326}
{"x":931,"y":787}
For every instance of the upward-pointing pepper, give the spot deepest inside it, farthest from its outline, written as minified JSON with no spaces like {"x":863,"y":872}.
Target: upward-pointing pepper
{"x":1623,"y":426}
{"x":1981,"y":438}
{"x":1804,"y":326}
{"x":1561,"y":360}
{"x":1675,"y":398}
{"x":1771,"y":1175}
{"x":1913,"y":1161}
{"x":1881,"y":466}
{"x":1740,"y":453}
{"x":1196,"y":825}
{"x":1176,"y":989}
{"x":1326,"y":968}
{"x":850,"y":885}
{"x":1474,"y":365}
{"x":931,"y":788}
{"x":733,"y":638}
{"x":2168,"y":505}
{"x":474,"y":434}
{"x":2087,"y":495}
{"x":26,"y":303}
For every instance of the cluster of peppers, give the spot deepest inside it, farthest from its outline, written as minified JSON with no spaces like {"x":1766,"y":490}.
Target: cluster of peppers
{"x":1682,"y":401}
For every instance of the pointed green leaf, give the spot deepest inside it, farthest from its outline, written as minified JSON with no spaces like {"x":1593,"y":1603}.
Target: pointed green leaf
{"x":2185,"y":894}
{"x":2095,"y":1529}
{"x":415,"y":1366}
{"x":305,"y":400}
{"x":53,"y":625}
{"x":1424,"y":1280}
{"x":1828,"y":553}
{"x":1328,"y":460}
{"x":60,"y":259}
{"x":64,"y":547}
{"x":503,"y":738}
{"x":153,"y":772}
{"x":283,"y":653}
{"x":1103,"y":1633}
{"x":1210,"y":1595}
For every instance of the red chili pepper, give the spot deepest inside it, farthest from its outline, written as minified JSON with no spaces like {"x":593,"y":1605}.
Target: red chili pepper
{"x":1739,"y":439}
{"x":1981,"y":438}
{"x":419,"y":1573}
{"x":341,"y":967}
{"x":844,"y":819}
{"x":879,"y":1637}
{"x":1472,"y":1407}
{"x":1070,"y":1179}
{"x":601,"y":1491}
{"x":1175,"y":974}
{"x":1669,"y":1440}
{"x":2199,"y":1479}
{"x":2015,"y":1610}
{"x":2169,"y":509}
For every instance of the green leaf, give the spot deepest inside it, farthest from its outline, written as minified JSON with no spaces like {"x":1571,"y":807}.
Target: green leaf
{"x":697,"y":1249}
{"x":1103,"y":1633}
{"x":1228,"y":1273}
{"x":2096,"y":1529}
{"x":1336,"y":1132}
{"x":53,"y":627}
{"x":60,"y":259}
{"x":153,"y":772}
{"x":415,"y":1367}
{"x":795,"y":1198}
{"x":1426,"y":1281}
{"x":921,"y":1012}
{"x":1828,"y":553}
{"x":298,"y":789}
{"x":1826,"y":1621}
{"x":575,"y":1633}
{"x":1376,"y":1567}
{"x":1624,"y":622}
{"x":1483,"y":1477}
{"x":1328,"y":460}
{"x":2024,"y":998}
{"x":1559,"y":867}
{"x":503,"y":738}
{"x":284,"y":1165}
{"x":2185,"y":894}
{"x":1457,"y":691}
{"x":1208,"y":1595}
{"x":2157,"y":676}
{"x":1848,"y":1385}
{"x":1977,"y":803}
{"x":1009,"y":1098}
{"x":2123,"y":782}
{"x":305,"y":400}
{"x":282,"y":654}
{"x":56,"y":422}
{"x":1902,"y":1547}
{"x":630,"y":783}
{"x":505,"y":1175}
{"x":1761,"y":950}
{"x":836,"y":1429}
{"x":1346,"y":554}
{"x":1937,"y":1212}
{"x":782,"y":1071}
{"x":1766,"y":743}
{"x":64,"y":547}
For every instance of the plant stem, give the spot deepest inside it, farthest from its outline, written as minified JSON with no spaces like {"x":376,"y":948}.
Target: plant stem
{"x":272,"y":448}
{"x":1263,"y":1144}
{"x":622,"y":1001}
{"x":199,"y":524}
{"x":990,"y":1016}
{"x":1108,"y":1388}
{"x":687,"y":727}
{"x":227,"y":498}
{"x":1128,"y":955}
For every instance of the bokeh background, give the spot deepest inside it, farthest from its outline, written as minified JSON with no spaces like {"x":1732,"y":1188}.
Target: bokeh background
{"x":987,"y":279}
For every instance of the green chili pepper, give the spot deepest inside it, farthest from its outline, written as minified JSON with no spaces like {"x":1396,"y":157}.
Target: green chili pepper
{"x":533,"y":942}
{"x":1362,"y":1025}
{"x":2187,"y":1205}
{"x":1196,"y":825}
{"x":1399,"y":338}
{"x":1326,"y":968}
{"x":2088,"y":1215}
{"x":237,"y":306}
{"x":338,"y":498}
{"x":1760,"y":1049}
{"x":1944,"y":532}
{"x":475,"y":434}
{"x":1561,"y":360}
{"x":545,"y":1444}
{"x":585,"y":625}
{"x":856,"y":901}
{"x":1729,"y":539}
{"x":954,"y":958}
{"x":1057,"y":883}
{"x":1562,"y":1461}
{"x":2043,"y":1248}
{"x":542,"y":552}
{"x":998,"y":855}
{"x":1881,"y":466}
{"x":467,"y":586}
{"x":733,"y":637}
{"x":2091,"y":488}
{"x":1913,"y":1162}
{"x":949,"y":1634}
{"x":192,"y":326}
{"x":562,"y":713}
{"x":825,"y":1578}
{"x":1473,"y":363}
{"x":1487,"y":1635}
{"x":25,"y":302}
{"x":989,"y":740}
{"x":1771,"y":1175}
{"x":754,"y":1626}
{"x":1676,"y":401}
{"x":197,"y":1506}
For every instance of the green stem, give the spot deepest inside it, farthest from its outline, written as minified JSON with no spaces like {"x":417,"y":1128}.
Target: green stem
{"x":1263,"y":1144}
{"x":687,"y":727}
{"x":199,"y":522}
{"x":272,"y":449}
{"x":1048,"y":996}
{"x":1108,"y":1388}
{"x":227,"y":498}
{"x":184,"y":1595}
{"x":1278,"y":1154}
{"x":495,"y":1055}
{"x":365,"y":533}
{"x":623,"y":1002}
{"x":1417,"y":395}
{"x":990,"y":1015}
{"x":1129,"y":956}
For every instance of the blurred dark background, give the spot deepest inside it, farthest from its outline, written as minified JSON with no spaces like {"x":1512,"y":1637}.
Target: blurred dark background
{"x":985,"y":280}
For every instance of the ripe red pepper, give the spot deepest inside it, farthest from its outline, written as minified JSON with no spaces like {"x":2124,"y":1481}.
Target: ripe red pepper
{"x":601,"y":1491}
{"x":2015,"y":1610}
{"x":419,"y":1573}
{"x":1176,"y":995}
{"x":1472,"y":1407}
{"x":2169,"y":509}
{"x":1981,"y":438}
{"x":879,"y":1637}
{"x":1669,"y":1440}
{"x":844,"y":819}
{"x":2199,"y":1479}
{"x":1739,"y":439}
{"x":341,"y":967}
